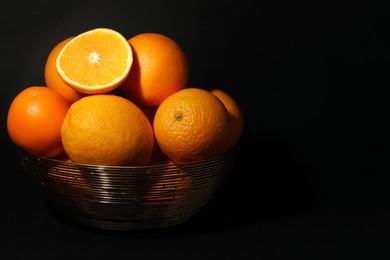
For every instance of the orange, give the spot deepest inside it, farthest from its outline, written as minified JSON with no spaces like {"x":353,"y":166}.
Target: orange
{"x":106,"y":129}
{"x":96,"y":61}
{"x":160,"y":68}
{"x":236,"y":116}
{"x":34,"y":120}
{"x":191,"y":124}
{"x":53,"y":79}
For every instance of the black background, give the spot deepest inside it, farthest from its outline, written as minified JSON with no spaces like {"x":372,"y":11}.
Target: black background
{"x":312,"y":177}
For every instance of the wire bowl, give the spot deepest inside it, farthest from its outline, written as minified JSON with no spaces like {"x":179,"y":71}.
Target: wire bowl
{"x":128,"y":198}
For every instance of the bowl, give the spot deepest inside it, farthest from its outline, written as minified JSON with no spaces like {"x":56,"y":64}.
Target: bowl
{"x":128,"y":197}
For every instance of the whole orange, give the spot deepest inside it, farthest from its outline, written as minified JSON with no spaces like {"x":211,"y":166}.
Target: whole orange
{"x":192,"y":124}
{"x":160,"y":68}
{"x":236,"y":116}
{"x":53,"y":79}
{"x":106,"y":129}
{"x":34,"y":120}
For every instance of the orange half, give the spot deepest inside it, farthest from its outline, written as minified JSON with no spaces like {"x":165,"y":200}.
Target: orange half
{"x":96,"y":61}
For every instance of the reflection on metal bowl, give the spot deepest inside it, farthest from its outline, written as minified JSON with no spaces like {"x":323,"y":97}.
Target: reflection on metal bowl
{"x":126,"y":197}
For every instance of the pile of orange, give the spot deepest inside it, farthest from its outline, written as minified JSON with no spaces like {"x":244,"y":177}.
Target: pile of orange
{"x":109,"y":100}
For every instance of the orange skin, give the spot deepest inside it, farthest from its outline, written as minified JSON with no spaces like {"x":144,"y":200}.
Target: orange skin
{"x":160,"y":68}
{"x":35,"y":118}
{"x":53,"y":79}
{"x":192,"y":124}
{"x":106,"y":129}
{"x":236,"y":117}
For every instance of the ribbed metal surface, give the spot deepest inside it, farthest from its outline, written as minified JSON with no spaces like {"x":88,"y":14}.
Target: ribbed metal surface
{"x":128,"y":198}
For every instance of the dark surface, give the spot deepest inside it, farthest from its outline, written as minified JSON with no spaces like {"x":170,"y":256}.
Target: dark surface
{"x":312,"y":177}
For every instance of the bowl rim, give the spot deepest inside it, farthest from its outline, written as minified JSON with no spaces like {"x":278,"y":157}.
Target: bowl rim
{"x":231,"y":153}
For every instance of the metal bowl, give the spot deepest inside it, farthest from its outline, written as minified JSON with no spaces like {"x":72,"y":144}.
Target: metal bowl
{"x":128,"y":198}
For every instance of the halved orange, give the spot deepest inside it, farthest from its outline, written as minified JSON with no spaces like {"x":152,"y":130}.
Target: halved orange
{"x":96,"y":61}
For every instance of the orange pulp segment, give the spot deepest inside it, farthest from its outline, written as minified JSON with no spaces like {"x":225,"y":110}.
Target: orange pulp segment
{"x":96,"y":61}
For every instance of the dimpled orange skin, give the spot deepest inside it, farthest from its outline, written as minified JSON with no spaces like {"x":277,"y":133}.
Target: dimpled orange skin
{"x":236,"y":117}
{"x":160,"y":68}
{"x":35,"y":118}
{"x":53,"y":79}
{"x":107,"y":129}
{"x":192,"y":124}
